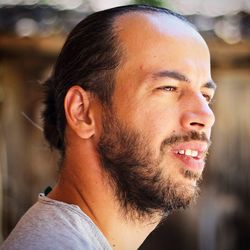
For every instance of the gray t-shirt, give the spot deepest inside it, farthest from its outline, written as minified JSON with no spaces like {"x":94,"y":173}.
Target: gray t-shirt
{"x":55,"y":225}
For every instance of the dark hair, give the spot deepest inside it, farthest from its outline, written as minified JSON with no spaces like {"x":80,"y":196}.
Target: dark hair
{"x":89,"y":58}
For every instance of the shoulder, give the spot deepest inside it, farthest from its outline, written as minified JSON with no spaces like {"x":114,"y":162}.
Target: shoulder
{"x":52,"y":225}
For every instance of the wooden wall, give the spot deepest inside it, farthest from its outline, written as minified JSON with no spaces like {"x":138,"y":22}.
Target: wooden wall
{"x":27,"y":165}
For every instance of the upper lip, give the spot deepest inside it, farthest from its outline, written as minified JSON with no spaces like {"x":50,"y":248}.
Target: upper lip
{"x":195,"y":149}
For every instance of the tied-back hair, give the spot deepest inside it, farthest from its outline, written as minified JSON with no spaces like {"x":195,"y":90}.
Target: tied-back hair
{"x":89,"y":58}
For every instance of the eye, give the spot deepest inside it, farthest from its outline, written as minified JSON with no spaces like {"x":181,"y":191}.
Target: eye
{"x":168,"y":88}
{"x":208,"y":98}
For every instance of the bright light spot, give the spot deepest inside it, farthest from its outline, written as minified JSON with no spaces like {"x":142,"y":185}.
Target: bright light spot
{"x":65,"y":4}
{"x":11,"y":2}
{"x":220,"y":7}
{"x":208,"y":7}
{"x":246,"y":5}
{"x":30,"y":2}
{"x":70,"y":4}
{"x":228,"y":29}
{"x":26,"y":27}
{"x":101,"y":5}
{"x":185,"y":7}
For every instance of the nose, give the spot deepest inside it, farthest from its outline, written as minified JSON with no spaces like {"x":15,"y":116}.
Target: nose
{"x":197,"y":114}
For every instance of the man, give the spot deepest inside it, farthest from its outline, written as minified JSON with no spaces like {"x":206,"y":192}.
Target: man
{"x":128,"y":108}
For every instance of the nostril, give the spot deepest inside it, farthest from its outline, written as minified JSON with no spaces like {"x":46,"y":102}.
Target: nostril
{"x":197,"y":120}
{"x":197,"y":124}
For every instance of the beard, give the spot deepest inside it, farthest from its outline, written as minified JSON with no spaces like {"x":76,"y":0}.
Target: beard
{"x":142,"y":184}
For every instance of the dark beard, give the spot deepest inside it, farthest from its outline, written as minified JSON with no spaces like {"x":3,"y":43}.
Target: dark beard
{"x":140,"y":186}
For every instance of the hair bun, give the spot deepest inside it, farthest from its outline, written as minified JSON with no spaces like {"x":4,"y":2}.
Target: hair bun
{"x":49,"y":115}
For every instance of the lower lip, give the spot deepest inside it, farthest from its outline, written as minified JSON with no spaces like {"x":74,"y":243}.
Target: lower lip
{"x":190,"y":162}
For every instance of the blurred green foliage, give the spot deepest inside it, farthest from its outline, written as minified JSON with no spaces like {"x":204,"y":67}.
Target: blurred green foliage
{"x":158,"y":3}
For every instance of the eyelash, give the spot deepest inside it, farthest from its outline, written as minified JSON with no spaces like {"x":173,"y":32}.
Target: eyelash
{"x":208,"y":98}
{"x":168,"y":88}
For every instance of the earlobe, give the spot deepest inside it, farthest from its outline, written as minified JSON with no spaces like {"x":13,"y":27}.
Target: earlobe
{"x":79,"y":115}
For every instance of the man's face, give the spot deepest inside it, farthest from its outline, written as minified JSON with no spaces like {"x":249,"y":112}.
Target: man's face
{"x":157,"y":132}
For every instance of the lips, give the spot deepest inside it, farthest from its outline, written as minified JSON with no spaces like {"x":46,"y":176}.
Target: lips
{"x":192,"y":154}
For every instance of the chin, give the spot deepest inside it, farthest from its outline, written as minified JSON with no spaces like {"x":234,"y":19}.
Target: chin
{"x":188,"y":192}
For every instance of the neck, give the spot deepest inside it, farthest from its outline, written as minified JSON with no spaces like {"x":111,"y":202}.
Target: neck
{"x":96,"y":198}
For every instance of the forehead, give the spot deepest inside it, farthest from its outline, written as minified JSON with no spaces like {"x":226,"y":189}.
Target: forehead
{"x":150,"y":21}
{"x":150,"y":39}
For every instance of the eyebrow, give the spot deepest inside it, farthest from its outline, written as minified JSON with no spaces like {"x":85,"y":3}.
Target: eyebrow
{"x":180,"y":77}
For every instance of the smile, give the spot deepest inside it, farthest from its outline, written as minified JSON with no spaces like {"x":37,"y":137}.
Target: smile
{"x":192,"y":154}
{"x":188,"y":152}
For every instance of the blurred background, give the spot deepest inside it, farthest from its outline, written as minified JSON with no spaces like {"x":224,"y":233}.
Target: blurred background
{"x":31,"y":35}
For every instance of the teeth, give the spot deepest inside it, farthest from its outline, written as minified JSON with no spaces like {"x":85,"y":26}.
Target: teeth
{"x":194,"y":153}
{"x":188,"y":152}
{"x":181,"y":152}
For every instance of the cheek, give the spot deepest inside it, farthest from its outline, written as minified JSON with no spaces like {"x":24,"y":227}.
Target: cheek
{"x":157,"y":124}
{"x":162,"y":121}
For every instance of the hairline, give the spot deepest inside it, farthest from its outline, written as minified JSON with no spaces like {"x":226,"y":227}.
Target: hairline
{"x":116,"y":25}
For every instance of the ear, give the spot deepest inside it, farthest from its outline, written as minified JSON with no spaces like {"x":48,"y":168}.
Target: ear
{"x":78,"y":112}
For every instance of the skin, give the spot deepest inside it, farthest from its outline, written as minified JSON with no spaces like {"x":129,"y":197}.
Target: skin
{"x":155,"y":104}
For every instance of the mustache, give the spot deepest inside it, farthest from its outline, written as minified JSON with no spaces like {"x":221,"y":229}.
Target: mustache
{"x":190,"y":136}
